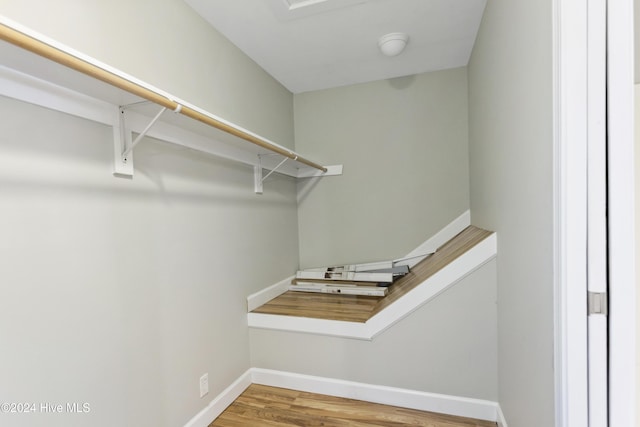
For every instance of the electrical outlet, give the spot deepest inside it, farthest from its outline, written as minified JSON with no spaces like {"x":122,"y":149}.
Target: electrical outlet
{"x":204,"y":385}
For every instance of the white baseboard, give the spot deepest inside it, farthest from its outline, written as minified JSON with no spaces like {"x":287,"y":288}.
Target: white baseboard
{"x":501,"y":421}
{"x":404,"y":398}
{"x":221,"y":401}
{"x":267,"y":294}
{"x":440,"y":403}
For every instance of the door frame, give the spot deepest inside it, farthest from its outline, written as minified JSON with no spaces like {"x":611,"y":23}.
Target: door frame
{"x":571,"y":95}
{"x":621,"y":211}
{"x":570,"y":44}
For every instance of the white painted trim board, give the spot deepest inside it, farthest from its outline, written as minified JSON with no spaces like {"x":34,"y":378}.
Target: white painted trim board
{"x":501,"y":421}
{"x":622,"y":281}
{"x":570,"y":102}
{"x":267,"y":294}
{"x":447,"y":233}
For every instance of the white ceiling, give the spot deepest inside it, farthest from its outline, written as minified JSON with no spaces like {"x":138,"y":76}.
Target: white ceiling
{"x":317,"y":44}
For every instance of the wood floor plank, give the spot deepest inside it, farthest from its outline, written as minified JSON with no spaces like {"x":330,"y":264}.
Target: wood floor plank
{"x":276,"y":407}
{"x":355,"y":308}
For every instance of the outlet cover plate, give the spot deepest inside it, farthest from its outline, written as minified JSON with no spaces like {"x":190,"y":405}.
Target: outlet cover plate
{"x":204,"y":385}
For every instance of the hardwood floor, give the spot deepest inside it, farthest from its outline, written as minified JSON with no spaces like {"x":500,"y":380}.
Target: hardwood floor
{"x":352,"y":308}
{"x":271,"y":407}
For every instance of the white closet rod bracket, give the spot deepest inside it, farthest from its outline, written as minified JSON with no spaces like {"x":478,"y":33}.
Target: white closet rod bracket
{"x":122,"y":165}
{"x":142,"y":134}
{"x":257,"y":179}
{"x":257,"y":172}
{"x":276,"y":168}
{"x":123,"y":161}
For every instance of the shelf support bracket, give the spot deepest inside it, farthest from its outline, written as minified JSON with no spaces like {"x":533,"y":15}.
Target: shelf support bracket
{"x":142,"y":134}
{"x":122,"y":166}
{"x":123,"y":147}
{"x":276,"y":168}
{"x":258,"y":179}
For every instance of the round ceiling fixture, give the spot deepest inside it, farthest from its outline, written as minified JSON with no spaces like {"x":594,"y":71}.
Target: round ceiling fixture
{"x":393,"y":44}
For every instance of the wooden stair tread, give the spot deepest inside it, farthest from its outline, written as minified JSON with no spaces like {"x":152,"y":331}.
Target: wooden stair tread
{"x":355,"y":308}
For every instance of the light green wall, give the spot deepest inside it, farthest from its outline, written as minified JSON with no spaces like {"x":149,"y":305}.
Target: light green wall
{"x":165,"y":43}
{"x":511,"y":170}
{"x":447,"y":346}
{"x":142,"y":283}
{"x":403,"y":144}
{"x":121,"y":293}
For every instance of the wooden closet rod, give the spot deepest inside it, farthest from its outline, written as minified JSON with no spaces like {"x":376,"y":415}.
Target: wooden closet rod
{"x":40,"y":48}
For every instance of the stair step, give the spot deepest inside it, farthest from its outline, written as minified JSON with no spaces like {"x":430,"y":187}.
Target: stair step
{"x":354,"y":308}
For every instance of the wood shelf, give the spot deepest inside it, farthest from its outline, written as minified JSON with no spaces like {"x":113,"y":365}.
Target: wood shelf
{"x":360,"y":309}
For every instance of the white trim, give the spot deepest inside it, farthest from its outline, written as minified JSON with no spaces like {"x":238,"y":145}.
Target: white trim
{"x":23,"y":87}
{"x":461,"y":267}
{"x":221,"y":401}
{"x":570,"y":133}
{"x":423,"y":293}
{"x":337,"y":328}
{"x":501,"y":421}
{"x":332,"y":170}
{"x":622,"y":284}
{"x":597,"y":207}
{"x":267,"y":294}
{"x":423,"y":401}
{"x":443,"y":236}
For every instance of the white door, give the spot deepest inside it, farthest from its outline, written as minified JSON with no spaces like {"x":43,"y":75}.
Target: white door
{"x":620,"y":174}
{"x":595,"y":385}
{"x":610,"y":214}
{"x":597,"y":254}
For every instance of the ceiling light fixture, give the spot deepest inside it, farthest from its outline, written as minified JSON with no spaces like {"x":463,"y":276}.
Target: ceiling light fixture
{"x":393,"y":44}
